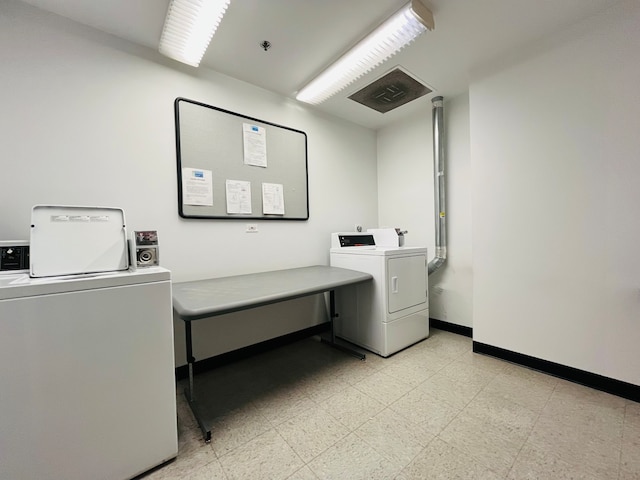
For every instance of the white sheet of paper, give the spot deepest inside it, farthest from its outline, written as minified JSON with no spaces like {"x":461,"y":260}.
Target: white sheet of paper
{"x":197,"y":187}
{"x":255,"y":145}
{"x":238,"y":196}
{"x":272,"y":199}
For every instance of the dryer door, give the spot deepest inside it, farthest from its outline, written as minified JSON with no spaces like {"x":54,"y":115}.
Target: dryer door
{"x":406,"y":282}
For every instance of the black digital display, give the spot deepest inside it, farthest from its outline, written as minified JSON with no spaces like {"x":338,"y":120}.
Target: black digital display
{"x":14,"y":258}
{"x":356,"y":240}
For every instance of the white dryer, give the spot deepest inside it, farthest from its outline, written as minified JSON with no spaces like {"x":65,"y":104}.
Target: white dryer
{"x":391,"y":312}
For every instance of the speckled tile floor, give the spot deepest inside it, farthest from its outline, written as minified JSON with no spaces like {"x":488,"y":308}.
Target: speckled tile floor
{"x":434,"y":411}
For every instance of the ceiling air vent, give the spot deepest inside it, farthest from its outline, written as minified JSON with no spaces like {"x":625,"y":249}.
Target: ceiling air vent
{"x":390,"y":91}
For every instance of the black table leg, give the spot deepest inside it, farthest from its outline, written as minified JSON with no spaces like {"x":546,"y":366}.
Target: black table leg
{"x":332,"y":342}
{"x":189,"y":391}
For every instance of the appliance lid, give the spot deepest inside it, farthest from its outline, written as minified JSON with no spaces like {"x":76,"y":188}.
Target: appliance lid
{"x":67,"y":240}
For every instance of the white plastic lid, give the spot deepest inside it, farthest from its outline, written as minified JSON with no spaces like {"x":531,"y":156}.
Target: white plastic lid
{"x":67,"y":240}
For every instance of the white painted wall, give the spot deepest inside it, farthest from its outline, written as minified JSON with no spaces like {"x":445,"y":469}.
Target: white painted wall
{"x":405,"y":177}
{"x":555,"y":142}
{"x":406,"y":199}
{"x":87,"y":119}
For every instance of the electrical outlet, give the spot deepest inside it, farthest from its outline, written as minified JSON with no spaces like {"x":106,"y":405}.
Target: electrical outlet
{"x":357,"y":227}
{"x":252,"y":228}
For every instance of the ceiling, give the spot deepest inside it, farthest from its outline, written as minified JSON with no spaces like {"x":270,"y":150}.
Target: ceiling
{"x":307,"y":35}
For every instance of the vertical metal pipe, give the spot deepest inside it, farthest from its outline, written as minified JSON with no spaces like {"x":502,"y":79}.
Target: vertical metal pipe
{"x":439,"y":185}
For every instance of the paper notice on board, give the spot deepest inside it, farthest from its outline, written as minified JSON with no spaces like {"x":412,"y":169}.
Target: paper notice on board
{"x":272,"y":199}
{"x":197,"y":187}
{"x":238,"y":196}
{"x":255,"y":145}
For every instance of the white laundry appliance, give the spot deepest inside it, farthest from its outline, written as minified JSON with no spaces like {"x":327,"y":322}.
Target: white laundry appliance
{"x":391,"y":312}
{"x":86,"y":363}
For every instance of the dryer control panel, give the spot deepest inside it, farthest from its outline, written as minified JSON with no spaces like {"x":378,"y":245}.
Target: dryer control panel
{"x":14,"y":256}
{"x":355,"y":239}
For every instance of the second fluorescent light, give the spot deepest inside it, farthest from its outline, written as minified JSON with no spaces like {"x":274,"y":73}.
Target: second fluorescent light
{"x":385,"y":41}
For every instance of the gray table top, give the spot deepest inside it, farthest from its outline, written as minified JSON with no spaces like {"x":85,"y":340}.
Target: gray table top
{"x":216,"y":296}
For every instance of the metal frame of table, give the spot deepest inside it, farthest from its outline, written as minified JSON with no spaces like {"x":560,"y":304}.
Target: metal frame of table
{"x":201,"y":299}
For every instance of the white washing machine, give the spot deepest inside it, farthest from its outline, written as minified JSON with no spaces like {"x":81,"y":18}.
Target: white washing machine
{"x":391,"y":312}
{"x":86,"y":354}
{"x":87,"y":374}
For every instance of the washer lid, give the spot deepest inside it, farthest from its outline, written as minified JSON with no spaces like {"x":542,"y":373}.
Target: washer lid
{"x":68,"y":240}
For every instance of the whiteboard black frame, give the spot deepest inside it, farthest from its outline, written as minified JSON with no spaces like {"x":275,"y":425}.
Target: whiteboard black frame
{"x":300,"y":208}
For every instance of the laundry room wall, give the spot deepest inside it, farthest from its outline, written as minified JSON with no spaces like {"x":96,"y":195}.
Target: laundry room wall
{"x":406,"y":200}
{"x":554,"y":154}
{"x":87,"y":119}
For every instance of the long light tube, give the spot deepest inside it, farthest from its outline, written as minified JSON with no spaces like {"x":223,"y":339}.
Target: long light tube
{"x":189,"y":27}
{"x":388,"y":39}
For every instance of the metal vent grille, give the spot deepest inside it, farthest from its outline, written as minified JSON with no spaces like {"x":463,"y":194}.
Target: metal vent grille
{"x":390,"y":91}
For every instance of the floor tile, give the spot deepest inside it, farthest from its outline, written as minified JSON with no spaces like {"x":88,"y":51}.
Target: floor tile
{"x":237,"y":428}
{"x":495,"y":446}
{"x":534,"y":464}
{"x":185,"y":416}
{"x":210,"y":471}
{"x":217,"y":394}
{"x":588,"y":395}
{"x":186,"y":463}
{"x":425,"y":410}
{"x":576,"y":446}
{"x":312,"y":432}
{"x":447,"y":344}
{"x":321,"y":385}
{"x":266,"y":456}
{"x":523,"y":386}
{"x":441,"y":461}
{"x":630,"y":454}
{"x":529,"y":375}
{"x":485,"y":362}
{"x":189,"y":439}
{"x":579,"y":409}
{"x":394,"y":437}
{"x":631,"y":432}
{"x":383,"y":387}
{"x":352,"y":370}
{"x":351,"y":407}
{"x":283,"y":403}
{"x":626,"y":475}
{"x":372,"y":360}
{"x":414,"y":369}
{"x":632,"y":409}
{"x":352,"y":458}
{"x":304,"y":473}
{"x":630,"y":459}
{"x":446,"y":389}
{"x":389,"y":418}
{"x":468,"y":373}
{"x":502,"y":412}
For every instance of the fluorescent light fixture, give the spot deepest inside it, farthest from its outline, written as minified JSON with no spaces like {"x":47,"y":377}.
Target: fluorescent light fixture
{"x":188,"y":28}
{"x":388,"y":39}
